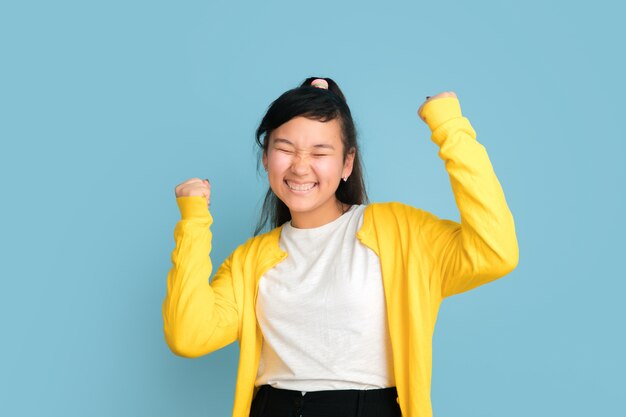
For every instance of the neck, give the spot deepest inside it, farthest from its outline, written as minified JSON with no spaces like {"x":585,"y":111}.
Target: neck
{"x":319,"y":217}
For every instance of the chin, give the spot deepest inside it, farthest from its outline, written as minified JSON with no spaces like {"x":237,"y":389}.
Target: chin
{"x":299,"y":207}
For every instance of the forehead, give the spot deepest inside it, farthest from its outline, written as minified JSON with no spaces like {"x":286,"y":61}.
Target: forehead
{"x":303,"y":132}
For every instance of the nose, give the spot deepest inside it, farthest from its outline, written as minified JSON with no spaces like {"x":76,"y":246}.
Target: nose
{"x":300,"y":165}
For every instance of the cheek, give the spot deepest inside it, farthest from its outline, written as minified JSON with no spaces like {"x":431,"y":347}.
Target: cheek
{"x":278,"y":161}
{"x":329,"y":167}
{"x":277,"y":164}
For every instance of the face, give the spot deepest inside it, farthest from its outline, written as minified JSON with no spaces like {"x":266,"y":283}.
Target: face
{"x":305,"y":164}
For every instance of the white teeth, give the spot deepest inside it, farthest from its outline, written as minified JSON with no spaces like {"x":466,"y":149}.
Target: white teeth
{"x":300,"y":187}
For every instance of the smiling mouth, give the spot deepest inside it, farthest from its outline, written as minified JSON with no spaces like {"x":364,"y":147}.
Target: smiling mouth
{"x":300,"y":187}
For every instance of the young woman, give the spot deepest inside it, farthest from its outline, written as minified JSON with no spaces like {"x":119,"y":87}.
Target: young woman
{"x":334,"y":308}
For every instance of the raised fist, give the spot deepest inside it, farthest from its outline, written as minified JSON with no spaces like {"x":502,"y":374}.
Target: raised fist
{"x":194,"y":187}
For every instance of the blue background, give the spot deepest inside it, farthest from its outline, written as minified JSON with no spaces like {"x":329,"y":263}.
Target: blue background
{"x":106,"y":106}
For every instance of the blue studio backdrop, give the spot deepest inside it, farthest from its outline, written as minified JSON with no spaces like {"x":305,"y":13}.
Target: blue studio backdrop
{"x":106,"y":106}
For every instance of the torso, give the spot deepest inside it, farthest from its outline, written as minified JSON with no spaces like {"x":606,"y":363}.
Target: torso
{"x":322,"y":312}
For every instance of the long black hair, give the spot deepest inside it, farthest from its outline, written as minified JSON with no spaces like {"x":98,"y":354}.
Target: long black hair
{"x":317,"y":104}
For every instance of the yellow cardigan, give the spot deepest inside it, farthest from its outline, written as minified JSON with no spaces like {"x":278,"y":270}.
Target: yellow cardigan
{"x":423,"y":259}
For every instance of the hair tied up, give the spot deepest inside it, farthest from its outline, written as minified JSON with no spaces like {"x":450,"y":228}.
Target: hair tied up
{"x":320,"y":83}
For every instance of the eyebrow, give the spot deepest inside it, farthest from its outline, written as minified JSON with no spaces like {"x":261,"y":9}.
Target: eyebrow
{"x":319,"y":145}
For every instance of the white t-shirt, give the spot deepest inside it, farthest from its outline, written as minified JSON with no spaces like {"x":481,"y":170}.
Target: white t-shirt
{"x":322,"y":312}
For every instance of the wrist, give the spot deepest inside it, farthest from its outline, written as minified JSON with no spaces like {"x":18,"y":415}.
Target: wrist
{"x":192,"y":207}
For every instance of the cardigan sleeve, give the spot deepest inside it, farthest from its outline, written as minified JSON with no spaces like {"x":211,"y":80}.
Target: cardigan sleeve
{"x":483,"y":246}
{"x":198,"y":317}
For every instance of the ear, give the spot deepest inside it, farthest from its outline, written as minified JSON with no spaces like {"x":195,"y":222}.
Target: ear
{"x":349,"y":162}
{"x":264,"y":160}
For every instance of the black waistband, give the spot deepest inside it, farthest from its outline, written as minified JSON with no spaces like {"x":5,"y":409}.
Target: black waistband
{"x":331,"y":396}
{"x":277,"y":402}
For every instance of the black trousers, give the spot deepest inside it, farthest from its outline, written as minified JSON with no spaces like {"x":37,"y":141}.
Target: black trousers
{"x":274,"y":402}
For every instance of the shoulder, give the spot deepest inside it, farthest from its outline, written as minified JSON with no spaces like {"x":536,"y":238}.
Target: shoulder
{"x":390,"y":218}
{"x":390,"y":225}
{"x":393,"y":211}
{"x":263,"y":245}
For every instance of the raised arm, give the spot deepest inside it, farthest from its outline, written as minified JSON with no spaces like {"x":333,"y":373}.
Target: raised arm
{"x":483,"y":247}
{"x":198,"y":317}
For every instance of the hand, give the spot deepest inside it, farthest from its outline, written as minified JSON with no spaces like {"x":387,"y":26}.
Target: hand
{"x":431,"y":98}
{"x":194,"y":187}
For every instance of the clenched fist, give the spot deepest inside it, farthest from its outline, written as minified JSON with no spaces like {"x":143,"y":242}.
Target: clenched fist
{"x":194,"y":187}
